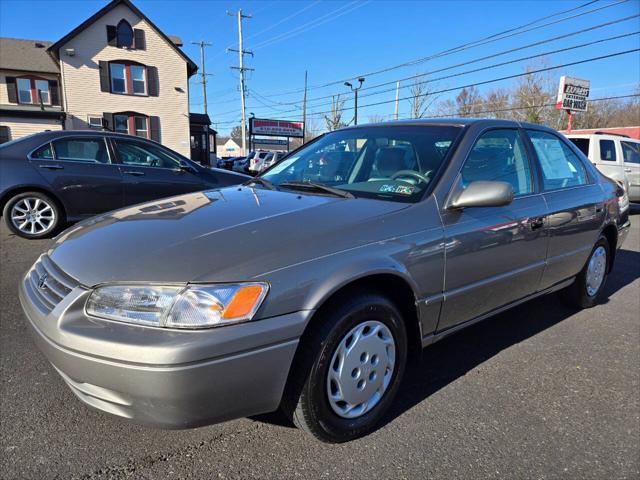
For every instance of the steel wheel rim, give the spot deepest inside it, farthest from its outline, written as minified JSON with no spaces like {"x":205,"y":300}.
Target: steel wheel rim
{"x":361,"y":369}
{"x":33,"y":215}
{"x":596,"y":270}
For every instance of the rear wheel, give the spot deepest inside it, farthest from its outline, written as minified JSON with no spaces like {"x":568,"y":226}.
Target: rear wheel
{"x":589,"y":285}
{"x":32,"y":215}
{"x":349,"y":369}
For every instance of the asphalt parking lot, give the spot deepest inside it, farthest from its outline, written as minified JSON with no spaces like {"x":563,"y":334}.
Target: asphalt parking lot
{"x":537,"y":392}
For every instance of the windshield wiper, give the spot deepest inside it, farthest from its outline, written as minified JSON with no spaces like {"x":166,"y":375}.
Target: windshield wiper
{"x":261,"y":181}
{"x":318,"y":187}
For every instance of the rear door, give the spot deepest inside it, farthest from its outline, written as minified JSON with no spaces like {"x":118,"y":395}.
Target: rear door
{"x":81,"y":172}
{"x":494,"y":255}
{"x":631,"y":159}
{"x":150,"y":172}
{"x":575,"y":203}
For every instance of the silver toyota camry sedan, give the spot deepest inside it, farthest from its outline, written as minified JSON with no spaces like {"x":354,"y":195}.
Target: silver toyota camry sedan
{"x":310,"y":287}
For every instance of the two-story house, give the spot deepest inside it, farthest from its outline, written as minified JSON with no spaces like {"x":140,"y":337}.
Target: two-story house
{"x":116,"y":70}
{"x":29,"y":89}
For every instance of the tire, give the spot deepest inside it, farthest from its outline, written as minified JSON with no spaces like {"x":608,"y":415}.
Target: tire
{"x":307,"y":397}
{"x":581,"y":293}
{"x":32,"y":215}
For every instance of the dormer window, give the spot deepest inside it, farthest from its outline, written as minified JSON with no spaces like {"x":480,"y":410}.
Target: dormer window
{"x":124,"y":34}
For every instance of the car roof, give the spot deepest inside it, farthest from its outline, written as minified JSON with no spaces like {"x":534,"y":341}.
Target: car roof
{"x":453,"y":121}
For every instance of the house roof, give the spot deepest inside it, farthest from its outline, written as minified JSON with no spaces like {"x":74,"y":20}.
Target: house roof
{"x":172,"y":42}
{"x":26,"y":55}
{"x":199,"y":118}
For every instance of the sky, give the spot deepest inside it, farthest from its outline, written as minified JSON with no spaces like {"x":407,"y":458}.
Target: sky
{"x":337,"y":40}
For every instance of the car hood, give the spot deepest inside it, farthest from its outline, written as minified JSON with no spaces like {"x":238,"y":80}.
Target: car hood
{"x":232,"y":234}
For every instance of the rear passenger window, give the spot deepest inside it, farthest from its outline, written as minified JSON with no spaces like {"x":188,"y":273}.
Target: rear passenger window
{"x":499,"y":155}
{"x":561,"y":168}
{"x":44,"y":152}
{"x":607,"y":150}
{"x":81,"y":150}
{"x":631,"y":152}
{"x":582,"y":144}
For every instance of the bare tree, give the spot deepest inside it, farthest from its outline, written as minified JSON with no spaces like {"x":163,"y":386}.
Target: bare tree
{"x":334,"y":119}
{"x":468,"y":102}
{"x":532,"y":95}
{"x":496,"y":104}
{"x":422,"y":98}
{"x":375,"y":118}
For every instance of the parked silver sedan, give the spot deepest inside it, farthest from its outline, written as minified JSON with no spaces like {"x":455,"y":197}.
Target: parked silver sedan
{"x":310,"y":287}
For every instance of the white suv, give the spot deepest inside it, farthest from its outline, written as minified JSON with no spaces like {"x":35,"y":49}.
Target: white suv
{"x":617,"y":156}
{"x":256,"y":163}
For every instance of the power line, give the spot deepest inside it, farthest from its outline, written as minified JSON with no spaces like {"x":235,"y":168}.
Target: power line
{"x":327,"y":17}
{"x":489,"y":67}
{"x":281,"y":21}
{"x":482,"y":41}
{"x":507,"y":77}
{"x":487,"y":57}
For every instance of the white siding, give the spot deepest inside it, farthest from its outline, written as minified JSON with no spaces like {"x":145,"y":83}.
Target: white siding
{"x":19,"y":127}
{"x":81,"y":80}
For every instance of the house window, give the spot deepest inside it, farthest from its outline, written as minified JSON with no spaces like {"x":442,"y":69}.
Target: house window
{"x":24,"y":90}
{"x":125,"y":34}
{"x":128,"y":78}
{"x":94,"y":121}
{"x":42,"y":89}
{"x":141,"y":127}
{"x":121,"y":123}
{"x":138,"y":80}
{"x":118,"y":79}
{"x":131,"y":123}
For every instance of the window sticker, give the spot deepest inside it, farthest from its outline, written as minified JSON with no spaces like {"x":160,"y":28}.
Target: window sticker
{"x":400,"y":189}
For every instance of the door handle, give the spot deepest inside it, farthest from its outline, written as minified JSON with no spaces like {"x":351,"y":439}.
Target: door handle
{"x":536,"y":223}
{"x":134,"y":172}
{"x":52,"y":167}
{"x":628,"y":170}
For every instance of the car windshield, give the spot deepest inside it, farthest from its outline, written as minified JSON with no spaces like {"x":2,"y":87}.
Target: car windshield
{"x":392,"y":163}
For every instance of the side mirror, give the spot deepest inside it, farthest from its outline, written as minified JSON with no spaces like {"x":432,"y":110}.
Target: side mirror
{"x":483,"y":194}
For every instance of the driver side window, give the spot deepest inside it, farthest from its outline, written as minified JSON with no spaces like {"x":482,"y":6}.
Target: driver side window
{"x":142,"y":155}
{"x":499,"y":155}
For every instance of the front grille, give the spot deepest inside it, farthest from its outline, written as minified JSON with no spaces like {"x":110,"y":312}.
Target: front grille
{"x":48,"y":284}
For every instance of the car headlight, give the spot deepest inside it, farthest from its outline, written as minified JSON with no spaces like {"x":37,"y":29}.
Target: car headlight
{"x":193,"y":306}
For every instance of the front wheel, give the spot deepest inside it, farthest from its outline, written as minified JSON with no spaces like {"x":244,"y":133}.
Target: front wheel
{"x":350,"y":369}
{"x":590,"y":283}
{"x":32,"y":215}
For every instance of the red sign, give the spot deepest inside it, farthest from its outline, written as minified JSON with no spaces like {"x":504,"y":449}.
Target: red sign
{"x":276,"y":128}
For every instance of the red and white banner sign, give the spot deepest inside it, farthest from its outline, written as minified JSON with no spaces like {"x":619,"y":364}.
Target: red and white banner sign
{"x":276,"y":128}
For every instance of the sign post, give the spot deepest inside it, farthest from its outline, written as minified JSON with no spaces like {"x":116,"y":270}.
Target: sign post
{"x":572,"y":97}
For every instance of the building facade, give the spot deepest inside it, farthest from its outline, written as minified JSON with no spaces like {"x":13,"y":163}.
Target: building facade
{"x":117,"y":71}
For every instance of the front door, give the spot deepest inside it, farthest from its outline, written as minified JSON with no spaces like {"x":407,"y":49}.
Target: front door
{"x":150,"y":172}
{"x":631,"y":157}
{"x":494,"y":255}
{"x":81,"y":172}
{"x":575,"y":203}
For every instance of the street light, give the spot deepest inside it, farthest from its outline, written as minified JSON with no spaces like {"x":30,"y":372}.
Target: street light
{"x":355,"y":91}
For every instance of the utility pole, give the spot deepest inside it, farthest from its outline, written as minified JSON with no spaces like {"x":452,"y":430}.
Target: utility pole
{"x":355,"y":91}
{"x":397,"y":98}
{"x":304,"y":105}
{"x":203,"y":74}
{"x":241,"y":68}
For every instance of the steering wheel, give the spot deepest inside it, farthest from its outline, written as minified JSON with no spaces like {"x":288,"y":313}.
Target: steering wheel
{"x":412,"y":173}
{"x":154,"y":162}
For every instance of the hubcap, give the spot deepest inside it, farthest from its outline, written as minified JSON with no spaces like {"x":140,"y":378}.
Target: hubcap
{"x":595,"y":270}
{"x":361,"y":369}
{"x":32,"y":215}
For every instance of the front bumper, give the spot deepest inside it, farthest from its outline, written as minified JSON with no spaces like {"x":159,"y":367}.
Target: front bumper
{"x":165,"y":378}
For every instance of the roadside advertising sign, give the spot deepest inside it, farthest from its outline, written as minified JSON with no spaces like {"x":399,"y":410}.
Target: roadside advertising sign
{"x":276,"y":128}
{"x":573,"y":94}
